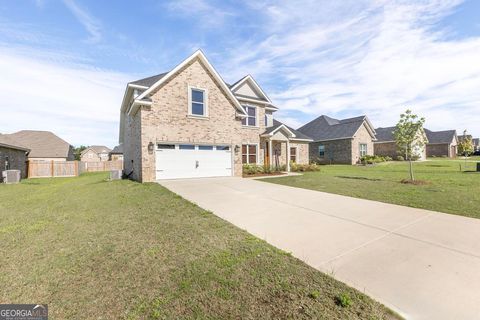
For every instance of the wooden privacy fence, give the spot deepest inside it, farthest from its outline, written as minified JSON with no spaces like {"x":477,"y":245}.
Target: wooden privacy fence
{"x":95,"y":166}
{"x":46,"y":169}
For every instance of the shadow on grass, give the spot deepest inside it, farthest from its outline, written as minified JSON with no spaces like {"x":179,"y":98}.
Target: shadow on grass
{"x":437,"y":165}
{"x":358,"y":178}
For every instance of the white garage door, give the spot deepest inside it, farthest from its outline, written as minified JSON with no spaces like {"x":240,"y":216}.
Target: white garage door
{"x":175,"y":161}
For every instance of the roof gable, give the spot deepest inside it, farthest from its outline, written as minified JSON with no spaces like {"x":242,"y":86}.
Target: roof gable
{"x":203,"y":59}
{"x":445,"y":136}
{"x":327,"y":128}
{"x":247,"y":87}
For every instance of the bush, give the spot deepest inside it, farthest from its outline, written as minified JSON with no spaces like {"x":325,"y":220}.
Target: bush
{"x":415,"y":157}
{"x":251,"y":169}
{"x":400,"y":158}
{"x":369,"y":159}
{"x":295,"y":167}
{"x":343,"y":300}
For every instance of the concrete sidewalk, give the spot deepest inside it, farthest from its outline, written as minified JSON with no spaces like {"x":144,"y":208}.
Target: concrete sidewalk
{"x":422,"y":264}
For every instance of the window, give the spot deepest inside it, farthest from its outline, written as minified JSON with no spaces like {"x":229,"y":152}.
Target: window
{"x":223,"y":148}
{"x":198,"y":105}
{"x":205,"y":147}
{"x":249,"y":153}
{"x":251,"y":119}
{"x":165,"y":146}
{"x":321,"y":151}
{"x":363,"y":149}
{"x":293,"y":154}
{"x":186,"y":147}
{"x":266,"y":121}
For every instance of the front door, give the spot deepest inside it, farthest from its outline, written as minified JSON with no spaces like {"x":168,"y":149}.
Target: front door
{"x":267,"y":154}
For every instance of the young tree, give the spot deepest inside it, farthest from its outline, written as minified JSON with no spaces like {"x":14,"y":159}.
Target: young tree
{"x":465,"y":146}
{"x":408,"y":137}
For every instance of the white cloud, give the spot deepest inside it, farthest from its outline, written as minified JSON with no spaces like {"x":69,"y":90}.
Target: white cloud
{"x":91,"y":24}
{"x":79,"y":103}
{"x":365,"y":57}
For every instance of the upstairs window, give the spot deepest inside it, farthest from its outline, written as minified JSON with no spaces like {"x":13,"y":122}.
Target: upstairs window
{"x":321,"y":151}
{"x":251,"y":119}
{"x":198,"y":105}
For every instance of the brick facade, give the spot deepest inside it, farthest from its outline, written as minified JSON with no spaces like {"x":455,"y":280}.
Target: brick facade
{"x":386,"y":149}
{"x":342,"y":151}
{"x":167,"y":120}
{"x":16,"y":158}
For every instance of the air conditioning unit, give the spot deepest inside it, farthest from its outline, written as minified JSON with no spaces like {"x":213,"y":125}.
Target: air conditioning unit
{"x":115,"y":174}
{"x":11,"y":176}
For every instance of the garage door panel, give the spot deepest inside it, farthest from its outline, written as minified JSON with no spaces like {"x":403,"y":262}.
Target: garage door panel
{"x":180,"y":163}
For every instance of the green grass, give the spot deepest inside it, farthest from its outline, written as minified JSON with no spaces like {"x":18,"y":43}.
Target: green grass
{"x":447,"y":190}
{"x":93,"y":248}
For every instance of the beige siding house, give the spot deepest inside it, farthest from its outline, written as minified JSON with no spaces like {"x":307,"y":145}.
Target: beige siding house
{"x":95,"y":154}
{"x":339,"y":141}
{"x":189,"y":123}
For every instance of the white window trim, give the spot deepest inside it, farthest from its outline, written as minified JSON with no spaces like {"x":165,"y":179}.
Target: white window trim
{"x":318,"y":151}
{"x":360,"y":149}
{"x":205,"y":102}
{"x":248,"y":154}
{"x":246,"y":118}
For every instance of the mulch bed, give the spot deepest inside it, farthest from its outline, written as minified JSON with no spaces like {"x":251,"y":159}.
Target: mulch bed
{"x":415,"y":182}
{"x":263,"y":174}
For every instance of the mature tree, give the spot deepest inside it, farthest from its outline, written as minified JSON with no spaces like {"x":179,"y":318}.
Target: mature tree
{"x":77,"y":151}
{"x":408,"y":136}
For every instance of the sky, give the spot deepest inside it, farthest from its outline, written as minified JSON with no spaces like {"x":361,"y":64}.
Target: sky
{"x":64,"y":65}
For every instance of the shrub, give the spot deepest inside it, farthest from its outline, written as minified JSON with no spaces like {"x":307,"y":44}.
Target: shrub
{"x":415,"y":157}
{"x":400,"y":158}
{"x":251,"y":169}
{"x":343,"y":300}
{"x":295,"y":167}
{"x":369,"y":159}
{"x":387,"y":158}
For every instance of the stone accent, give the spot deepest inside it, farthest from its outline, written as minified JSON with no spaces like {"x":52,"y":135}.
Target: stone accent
{"x":17,"y":161}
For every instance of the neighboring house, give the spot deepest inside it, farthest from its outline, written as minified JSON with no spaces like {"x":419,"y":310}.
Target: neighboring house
{"x":117,"y":153}
{"x":442,"y":143}
{"x":43,"y":145}
{"x":95,"y":154}
{"x":13,"y":156}
{"x":339,"y":141}
{"x":476,"y":144}
{"x":385,"y":144}
{"x":189,"y":123}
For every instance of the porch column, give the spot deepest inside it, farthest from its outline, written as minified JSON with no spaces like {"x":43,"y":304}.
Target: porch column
{"x":288,"y":155}
{"x":270,"y":152}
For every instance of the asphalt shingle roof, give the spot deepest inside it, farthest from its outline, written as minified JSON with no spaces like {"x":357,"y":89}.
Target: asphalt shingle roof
{"x":445,"y":136}
{"x":326,"y":128}
{"x":385,"y":134}
{"x":42,"y":144}
{"x":149,"y":81}
{"x":8,"y":142}
{"x":117,"y":150}
{"x":276,"y":124}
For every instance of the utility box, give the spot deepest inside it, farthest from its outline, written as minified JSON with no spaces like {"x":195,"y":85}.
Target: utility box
{"x":115,"y":174}
{"x":478,"y":166}
{"x":11,"y":176}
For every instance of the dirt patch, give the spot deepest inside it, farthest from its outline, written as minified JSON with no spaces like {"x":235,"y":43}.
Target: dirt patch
{"x":415,"y":182}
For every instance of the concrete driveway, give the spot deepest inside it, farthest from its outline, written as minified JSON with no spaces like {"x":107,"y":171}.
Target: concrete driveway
{"x":422,"y":264}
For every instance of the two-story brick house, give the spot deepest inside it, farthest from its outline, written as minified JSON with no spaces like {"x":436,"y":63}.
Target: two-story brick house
{"x":189,"y":123}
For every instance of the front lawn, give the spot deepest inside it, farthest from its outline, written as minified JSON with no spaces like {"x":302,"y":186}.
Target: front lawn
{"x":447,"y":190}
{"x":98,"y":249}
